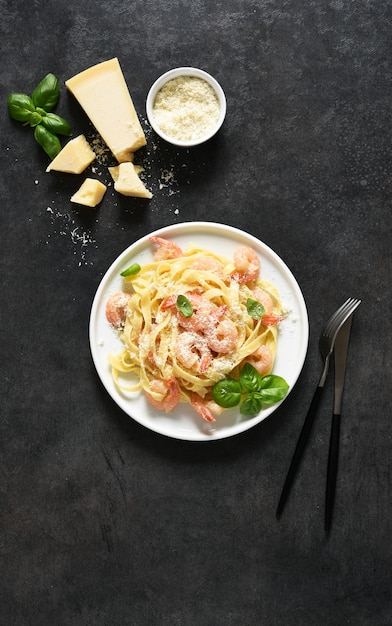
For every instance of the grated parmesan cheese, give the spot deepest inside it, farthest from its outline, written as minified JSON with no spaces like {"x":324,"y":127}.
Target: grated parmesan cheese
{"x":186,"y":108}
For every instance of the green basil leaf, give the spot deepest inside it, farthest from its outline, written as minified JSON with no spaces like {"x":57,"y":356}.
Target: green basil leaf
{"x":250,"y":378}
{"x":271,"y":381}
{"x":47,"y":93}
{"x":272,"y":389}
{"x":184,"y":306}
{"x":227,"y":392}
{"x":255,"y":308}
{"x":271,"y":396}
{"x":131,"y":270}
{"x":56,"y":124}
{"x":49,"y":142}
{"x":20,"y":107}
{"x":251,"y":405}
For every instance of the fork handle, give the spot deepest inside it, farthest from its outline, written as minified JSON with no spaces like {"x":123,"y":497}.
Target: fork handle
{"x":332,"y":471}
{"x":300,"y":447}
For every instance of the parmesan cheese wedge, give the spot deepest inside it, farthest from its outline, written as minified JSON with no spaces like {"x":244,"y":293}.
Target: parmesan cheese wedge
{"x":127,"y":182}
{"x":102,"y":92}
{"x":74,"y":157}
{"x":90,"y":193}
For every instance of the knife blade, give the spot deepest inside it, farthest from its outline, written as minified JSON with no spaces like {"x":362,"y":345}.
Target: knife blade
{"x":341,"y":352}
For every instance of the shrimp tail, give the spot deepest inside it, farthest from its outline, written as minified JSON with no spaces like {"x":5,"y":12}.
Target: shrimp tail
{"x":168,"y":302}
{"x":271,"y":320}
{"x":201,"y":408}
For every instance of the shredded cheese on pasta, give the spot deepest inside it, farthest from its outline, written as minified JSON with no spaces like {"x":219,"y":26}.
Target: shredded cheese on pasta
{"x":162,"y":344}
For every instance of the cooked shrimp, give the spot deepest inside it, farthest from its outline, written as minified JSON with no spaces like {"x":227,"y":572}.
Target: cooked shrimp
{"x":264,"y":298}
{"x":247,"y":264}
{"x":166,"y":249}
{"x":201,"y":406}
{"x":205,"y":313}
{"x":209,"y":264}
{"x":268,"y":319}
{"x":194,"y":298}
{"x":261,"y":359}
{"x":192,"y":351}
{"x":168,"y":302}
{"x":222,"y":337}
{"x":198,"y":302}
{"x":203,"y":310}
{"x":116,"y":309}
{"x":169,"y":392}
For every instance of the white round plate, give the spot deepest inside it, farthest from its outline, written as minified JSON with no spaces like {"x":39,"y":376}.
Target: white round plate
{"x":183,"y":422}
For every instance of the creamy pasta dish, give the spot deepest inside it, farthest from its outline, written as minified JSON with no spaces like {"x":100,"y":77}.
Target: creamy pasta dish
{"x":189,"y":319}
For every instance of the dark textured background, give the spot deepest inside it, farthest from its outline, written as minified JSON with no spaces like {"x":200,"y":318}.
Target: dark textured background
{"x":103,"y":522}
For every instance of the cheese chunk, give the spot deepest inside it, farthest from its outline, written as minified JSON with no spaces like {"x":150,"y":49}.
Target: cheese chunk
{"x":127,"y":182}
{"x":103,"y":93}
{"x":74,"y":157}
{"x":90,"y":193}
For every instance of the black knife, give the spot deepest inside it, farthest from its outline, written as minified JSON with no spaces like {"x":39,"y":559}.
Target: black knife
{"x":341,"y":350}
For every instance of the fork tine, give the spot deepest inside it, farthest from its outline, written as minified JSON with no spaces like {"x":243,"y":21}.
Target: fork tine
{"x":340,"y":316}
{"x":333,"y":320}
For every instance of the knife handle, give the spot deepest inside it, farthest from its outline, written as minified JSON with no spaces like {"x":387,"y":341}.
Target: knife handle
{"x":332,"y":471}
{"x":299,"y":450}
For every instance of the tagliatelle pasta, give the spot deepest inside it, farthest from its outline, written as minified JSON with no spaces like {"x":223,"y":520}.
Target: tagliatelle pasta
{"x":185,"y":323}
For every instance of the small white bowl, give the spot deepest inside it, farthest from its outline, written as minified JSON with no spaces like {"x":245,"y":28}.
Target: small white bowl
{"x":175,"y":73}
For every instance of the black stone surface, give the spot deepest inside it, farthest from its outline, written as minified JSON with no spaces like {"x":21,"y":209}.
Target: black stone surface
{"x":102,"y":522}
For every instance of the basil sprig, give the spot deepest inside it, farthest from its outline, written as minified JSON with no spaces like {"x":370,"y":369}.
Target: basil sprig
{"x":251,"y":391}
{"x":36,"y":111}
